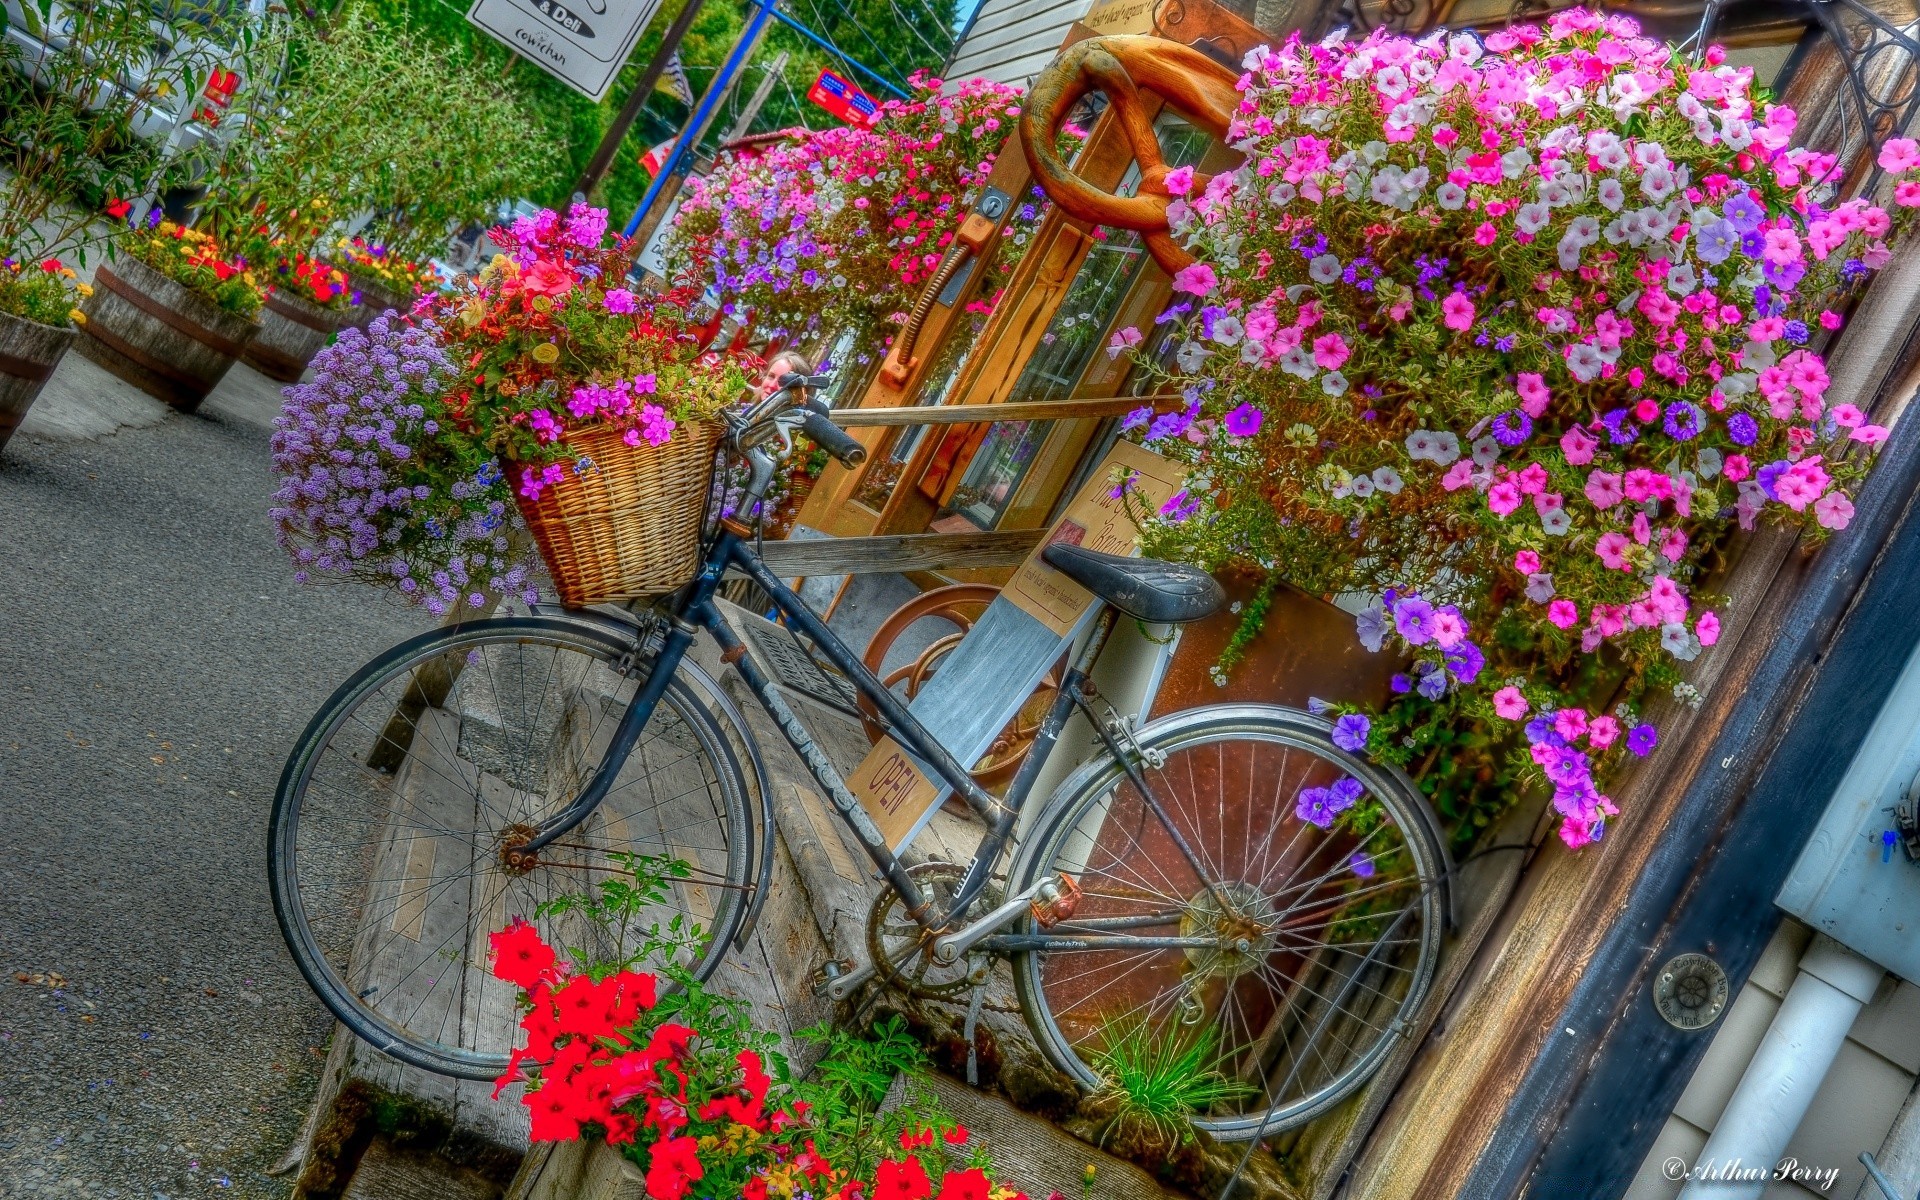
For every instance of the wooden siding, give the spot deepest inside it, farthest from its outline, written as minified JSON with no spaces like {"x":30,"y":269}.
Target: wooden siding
{"x":1009,"y":41}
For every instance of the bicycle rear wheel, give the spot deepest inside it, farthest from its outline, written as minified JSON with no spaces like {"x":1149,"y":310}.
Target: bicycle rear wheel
{"x":1310,"y":898}
{"x":393,"y":843}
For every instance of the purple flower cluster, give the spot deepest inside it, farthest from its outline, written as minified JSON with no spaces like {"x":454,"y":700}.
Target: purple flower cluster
{"x":367,"y":491}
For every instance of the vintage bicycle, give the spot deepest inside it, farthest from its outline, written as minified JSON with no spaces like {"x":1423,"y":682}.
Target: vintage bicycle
{"x":1224,"y":879}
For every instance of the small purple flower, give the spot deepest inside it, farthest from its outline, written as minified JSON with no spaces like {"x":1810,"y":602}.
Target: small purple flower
{"x":1433,"y":682}
{"x":1413,"y":617}
{"x":1179,"y":506}
{"x":1400,"y":684}
{"x":1244,"y":421}
{"x":1683,"y":421}
{"x":1620,"y":431}
{"x":1766,"y":476}
{"x":1512,"y":427}
{"x":1361,"y":865}
{"x":1350,"y":733}
{"x":1642,"y":738}
{"x":1797,"y":332}
{"x":1465,"y":661}
{"x":1743,"y":429}
{"x":1315,"y":806}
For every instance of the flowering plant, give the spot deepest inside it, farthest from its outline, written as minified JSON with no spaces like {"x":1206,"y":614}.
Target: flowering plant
{"x":377,"y":485}
{"x":690,"y":1090}
{"x":831,"y":228}
{"x":316,"y":282}
{"x":45,"y":292}
{"x":551,"y":341}
{"x":1506,"y":332}
{"x":195,"y":261}
{"x":375,"y":263}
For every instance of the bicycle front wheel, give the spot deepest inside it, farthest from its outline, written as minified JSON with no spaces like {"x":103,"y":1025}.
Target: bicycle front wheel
{"x":1255,"y":938}
{"x":393,"y":847}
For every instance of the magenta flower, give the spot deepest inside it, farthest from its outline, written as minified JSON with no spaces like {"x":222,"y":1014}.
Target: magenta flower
{"x":1198,"y":280}
{"x":618,"y":300}
{"x":1244,"y":421}
{"x":1509,"y":704}
{"x":1457,"y":311}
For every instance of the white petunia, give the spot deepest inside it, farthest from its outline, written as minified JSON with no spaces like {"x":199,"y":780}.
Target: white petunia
{"x":1333,"y":383}
{"x":1324,"y":269}
{"x":1450,"y":196}
{"x":1486,"y":450}
{"x":1611,"y":194}
{"x":1388,"y":480}
{"x":1532,"y":217}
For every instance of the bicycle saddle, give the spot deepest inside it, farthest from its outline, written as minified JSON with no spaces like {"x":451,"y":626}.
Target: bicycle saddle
{"x":1144,"y":588}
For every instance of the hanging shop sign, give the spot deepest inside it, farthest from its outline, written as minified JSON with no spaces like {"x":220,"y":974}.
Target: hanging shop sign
{"x":845,"y":101}
{"x":582,"y":43}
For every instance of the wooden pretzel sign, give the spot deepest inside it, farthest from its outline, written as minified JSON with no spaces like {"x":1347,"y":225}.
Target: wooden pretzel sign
{"x":1123,"y":67}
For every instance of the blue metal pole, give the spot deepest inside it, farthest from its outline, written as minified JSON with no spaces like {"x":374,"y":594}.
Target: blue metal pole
{"x":834,"y":50}
{"x":703,"y":112}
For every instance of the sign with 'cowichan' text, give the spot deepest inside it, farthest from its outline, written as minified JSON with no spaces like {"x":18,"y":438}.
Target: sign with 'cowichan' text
{"x":583,"y":43}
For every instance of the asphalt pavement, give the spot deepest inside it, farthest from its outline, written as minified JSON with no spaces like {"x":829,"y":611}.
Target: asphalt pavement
{"x":157,"y":661}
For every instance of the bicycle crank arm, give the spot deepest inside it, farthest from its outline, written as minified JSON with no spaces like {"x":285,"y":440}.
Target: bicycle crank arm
{"x":842,"y":984}
{"x":947,"y":950}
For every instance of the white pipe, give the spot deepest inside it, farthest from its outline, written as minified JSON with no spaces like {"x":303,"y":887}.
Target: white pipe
{"x":1833,"y":985}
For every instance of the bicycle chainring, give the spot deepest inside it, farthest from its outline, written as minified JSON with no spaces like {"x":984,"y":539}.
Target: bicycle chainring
{"x":902,"y":952}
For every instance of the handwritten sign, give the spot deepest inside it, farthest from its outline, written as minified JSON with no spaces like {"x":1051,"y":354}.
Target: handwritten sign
{"x":841,"y":98}
{"x":582,"y":43}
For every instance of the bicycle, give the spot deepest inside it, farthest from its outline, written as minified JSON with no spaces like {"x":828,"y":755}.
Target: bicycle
{"x":1223,"y":879}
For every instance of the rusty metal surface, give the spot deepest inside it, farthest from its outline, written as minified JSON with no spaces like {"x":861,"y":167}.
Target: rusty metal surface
{"x":1307,"y":648}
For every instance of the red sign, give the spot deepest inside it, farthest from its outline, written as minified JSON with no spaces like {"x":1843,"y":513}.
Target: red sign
{"x":843,"y":99}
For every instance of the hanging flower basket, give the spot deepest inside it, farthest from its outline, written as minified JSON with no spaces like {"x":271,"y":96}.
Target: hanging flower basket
{"x":621,"y":521}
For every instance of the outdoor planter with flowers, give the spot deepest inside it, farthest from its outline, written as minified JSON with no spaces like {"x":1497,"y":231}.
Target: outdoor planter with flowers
{"x":382,"y":279}
{"x":310,"y":302}
{"x":535,"y":397}
{"x":1508,"y":333}
{"x":838,"y":228}
{"x":172,"y":314}
{"x":37,"y":319}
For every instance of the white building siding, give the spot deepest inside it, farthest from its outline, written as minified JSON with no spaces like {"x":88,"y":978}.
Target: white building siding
{"x":1009,"y":41}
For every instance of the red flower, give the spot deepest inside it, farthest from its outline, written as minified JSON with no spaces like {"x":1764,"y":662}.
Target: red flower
{"x":520,"y":956}
{"x":552,"y":1110}
{"x":118,"y":209}
{"x":50,"y":266}
{"x":584,"y":1007}
{"x":957,"y":1136}
{"x":621,"y":1128}
{"x":909,"y":1140}
{"x":673,"y":1168}
{"x":901,"y":1180}
{"x":965,"y":1185}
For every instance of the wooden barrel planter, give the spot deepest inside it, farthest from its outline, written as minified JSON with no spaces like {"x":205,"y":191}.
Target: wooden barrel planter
{"x":292,"y":331}
{"x":157,"y":335}
{"x":375,"y":298}
{"x":29,"y":351}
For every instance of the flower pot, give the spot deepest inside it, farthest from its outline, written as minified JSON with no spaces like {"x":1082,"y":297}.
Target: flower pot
{"x":29,"y":351}
{"x":292,"y":330}
{"x":375,"y":298}
{"x":159,"y":336}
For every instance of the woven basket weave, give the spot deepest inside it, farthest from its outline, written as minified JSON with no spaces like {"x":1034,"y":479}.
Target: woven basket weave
{"x":629,"y":525}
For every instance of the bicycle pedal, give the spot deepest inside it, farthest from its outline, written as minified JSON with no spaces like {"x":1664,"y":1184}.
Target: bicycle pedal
{"x":1056,"y":902}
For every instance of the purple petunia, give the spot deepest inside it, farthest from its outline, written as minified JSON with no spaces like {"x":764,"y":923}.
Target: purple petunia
{"x":1413,"y":617}
{"x":1350,"y":733}
{"x":1512,"y":427}
{"x":1743,"y":429}
{"x":1642,"y":738}
{"x":1244,"y":421}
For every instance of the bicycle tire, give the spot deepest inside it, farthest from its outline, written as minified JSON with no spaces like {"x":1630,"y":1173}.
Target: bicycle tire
{"x":326,"y":962}
{"x":1079,"y":1043}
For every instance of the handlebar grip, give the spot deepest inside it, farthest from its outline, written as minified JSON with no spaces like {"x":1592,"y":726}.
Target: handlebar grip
{"x":833,"y":439}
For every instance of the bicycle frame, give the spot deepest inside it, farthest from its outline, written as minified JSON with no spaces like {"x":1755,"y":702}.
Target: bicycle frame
{"x":694,"y":609}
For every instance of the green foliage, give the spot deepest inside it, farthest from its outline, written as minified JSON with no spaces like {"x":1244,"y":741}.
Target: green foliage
{"x":846,"y":1090}
{"x":67,"y":140}
{"x":1156,"y":1080}
{"x":615,"y":905}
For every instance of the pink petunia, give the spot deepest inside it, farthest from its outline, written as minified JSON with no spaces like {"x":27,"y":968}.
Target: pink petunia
{"x":1570,"y":723}
{"x":1707,"y":628}
{"x":1180,"y":181}
{"x":1503,"y":497}
{"x":1457,"y":311}
{"x":1602,"y":732}
{"x":1872,"y":435}
{"x":1612,"y":549}
{"x":1802,"y":484}
{"x":1833,"y":510}
{"x":1509,"y":703}
{"x":1197,"y":280}
{"x":1534,"y":395}
{"x":1899,"y":154}
{"x":1564,"y":613}
{"x":1459,"y":475}
{"x":1578,"y":446}
{"x":1603,"y":488}
{"x":1526,"y":562}
{"x":1330,"y":352}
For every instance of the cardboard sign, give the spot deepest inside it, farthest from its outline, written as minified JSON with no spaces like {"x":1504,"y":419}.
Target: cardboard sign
{"x":841,"y":98}
{"x":1120,"y":16}
{"x":986,"y":679}
{"x":582,"y":43}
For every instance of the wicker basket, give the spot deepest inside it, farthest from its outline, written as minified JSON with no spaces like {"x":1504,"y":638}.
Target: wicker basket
{"x":629,"y":525}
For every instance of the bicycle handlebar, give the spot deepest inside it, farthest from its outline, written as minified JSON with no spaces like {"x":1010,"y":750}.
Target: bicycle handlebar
{"x":831,"y":438}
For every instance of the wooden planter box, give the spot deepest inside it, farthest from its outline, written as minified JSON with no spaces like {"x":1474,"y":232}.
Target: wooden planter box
{"x":29,"y":351}
{"x":159,"y":336}
{"x":375,"y":298}
{"x":292,"y":331}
